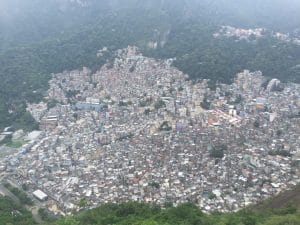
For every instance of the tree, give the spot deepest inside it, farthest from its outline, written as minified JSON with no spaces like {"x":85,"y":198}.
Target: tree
{"x":154,"y":184}
{"x":68,"y":221}
{"x":256,"y":124}
{"x":283,"y":220}
{"x":279,"y":133}
{"x":149,"y":222}
{"x":218,"y":151}
{"x":147,"y":111}
{"x":52,"y":103}
{"x":45,"y":215}
{"x":212,"y":196}
{"x":205,"y":104}
{"x":83,"y":203}
{"x":160,"y":104}
{"x":165,"y":126}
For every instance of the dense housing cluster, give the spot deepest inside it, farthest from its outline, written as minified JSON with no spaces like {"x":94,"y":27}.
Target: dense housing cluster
{"x":140,"y":130}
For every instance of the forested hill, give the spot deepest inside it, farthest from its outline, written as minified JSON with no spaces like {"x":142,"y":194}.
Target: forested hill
{"x":281,"y":210}
{"x":146,"y":214}
{"x":185,"y":214}
{"x":29,"y":21}
{"x":39,"y":37}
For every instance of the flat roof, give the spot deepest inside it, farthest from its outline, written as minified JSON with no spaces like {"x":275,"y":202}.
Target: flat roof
{"x":40,"y":195}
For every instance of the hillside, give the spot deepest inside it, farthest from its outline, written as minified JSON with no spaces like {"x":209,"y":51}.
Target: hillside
{"x":285,"y":199}
{"x":39,"y":38}
{"x":187,"y":214}
{"x":144,"y":214}
{"x":153,"y":112}
{"x":280,"y":210}
{"x":12,"y":213}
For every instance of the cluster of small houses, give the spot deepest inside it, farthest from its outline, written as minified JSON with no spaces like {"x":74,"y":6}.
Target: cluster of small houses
{"x":240,"y":33}
{"x":137,"y":131}
{"x":255,"y":33}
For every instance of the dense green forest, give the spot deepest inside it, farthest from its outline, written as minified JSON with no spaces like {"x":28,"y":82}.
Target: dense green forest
{"x":14,"y":214}
{"x":185,"y":214}
{"x":38,"y":38}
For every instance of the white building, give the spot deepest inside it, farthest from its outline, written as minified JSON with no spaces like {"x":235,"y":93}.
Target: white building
{"x":40,"y":195}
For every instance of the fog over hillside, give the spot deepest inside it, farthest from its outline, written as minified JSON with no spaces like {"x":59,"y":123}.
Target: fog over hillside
{"x":40,"y":37}
{"x":33,"y":20}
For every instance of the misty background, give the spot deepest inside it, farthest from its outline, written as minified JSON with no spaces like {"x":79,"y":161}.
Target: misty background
{"x":27,"y":21}
{"x":41,"y":37}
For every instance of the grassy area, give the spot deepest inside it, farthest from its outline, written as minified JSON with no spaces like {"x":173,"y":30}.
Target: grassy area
{"x":18,"y":143}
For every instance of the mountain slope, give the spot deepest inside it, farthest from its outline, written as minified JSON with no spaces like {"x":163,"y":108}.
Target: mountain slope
{"x":43,"y":37}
